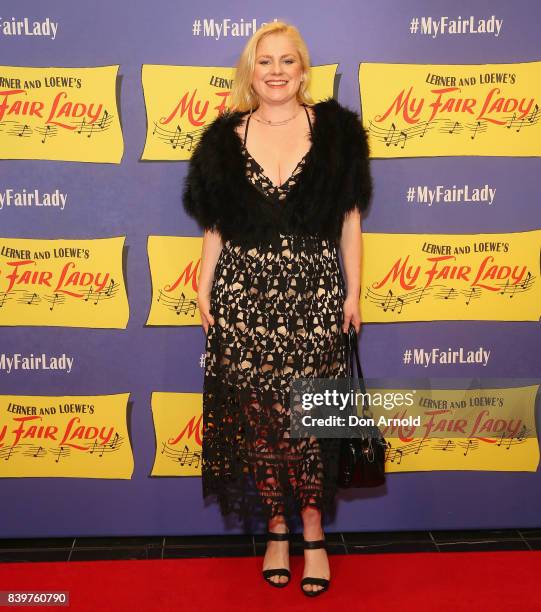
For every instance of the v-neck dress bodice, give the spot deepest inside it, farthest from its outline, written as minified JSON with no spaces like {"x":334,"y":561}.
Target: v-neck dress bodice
{"x":256,"y":176}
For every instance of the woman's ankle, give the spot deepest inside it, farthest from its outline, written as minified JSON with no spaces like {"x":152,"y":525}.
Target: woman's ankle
{"x":277,"y":525}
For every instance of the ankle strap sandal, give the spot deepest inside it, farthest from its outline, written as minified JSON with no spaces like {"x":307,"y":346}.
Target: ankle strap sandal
{"x":280,"y":571}
{"x":322,"y":582}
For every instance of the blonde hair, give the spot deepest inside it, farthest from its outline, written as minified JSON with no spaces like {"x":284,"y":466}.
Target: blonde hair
{"x":243,"y":97}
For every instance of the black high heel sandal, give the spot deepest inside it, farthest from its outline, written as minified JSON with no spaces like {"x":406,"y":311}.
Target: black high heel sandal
{"x":279,"y":571}
{"x":322,"y":582}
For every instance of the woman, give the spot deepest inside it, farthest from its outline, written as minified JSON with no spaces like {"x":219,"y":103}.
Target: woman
{"x":278,"y":184}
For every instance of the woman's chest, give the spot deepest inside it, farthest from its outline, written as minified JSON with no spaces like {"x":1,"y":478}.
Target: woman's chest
{"x":277,"y":156}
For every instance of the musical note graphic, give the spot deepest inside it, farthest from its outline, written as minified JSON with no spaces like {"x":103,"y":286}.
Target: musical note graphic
{"x":183,"y":457}
{"x":514,"y":121}
{"x":412,"y":448}
{"x":526,"y":121}
{"x":402,"y":134}
{"x":60,"y":452}
{"x":4,"y":297}
{"x":464,"y":447}
{"x":29,"y":298}
{"x":6,"y":452}
{"x":99,"y":125}
{"x":47,"y":131}
{"x":177,"y":138}
{"x":110,"y":288}
{"x":444,"y":446}
{"x":397,"y":453}
{"x":33,"y":297}
{"x":447,"y":294}
{"x":182,"y":305}
{"x":104,"y":119}
{"x":39,"y":452}
{"x":110,"y":447}
{"x":114,"y":442}
{"x":533,"y":116}
{"x":455,"y":125}
{"x":56,"y":298}
{"x":24,"y":129}
{"x":472,"y":292}
{"x":21,"y":130}
{"x":390,"y":136}
{"x":93,"y":449}
{"x":390,"y":301}
{"x":524,"y":285}
{"x":103,"y":294}
{"x":477,"y":126}
{"x":473,"y":444}
{"x":35,"y":451}
{"x":511,"y":440}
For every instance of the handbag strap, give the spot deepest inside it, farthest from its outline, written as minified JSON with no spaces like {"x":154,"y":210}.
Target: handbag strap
{"x":354,"y":362}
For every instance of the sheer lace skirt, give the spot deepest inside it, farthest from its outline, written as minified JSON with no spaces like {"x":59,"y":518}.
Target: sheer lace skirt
{"x":278,"y":316}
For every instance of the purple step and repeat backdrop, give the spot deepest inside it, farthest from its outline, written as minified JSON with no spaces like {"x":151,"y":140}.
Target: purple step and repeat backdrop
{"x":86,"y":447}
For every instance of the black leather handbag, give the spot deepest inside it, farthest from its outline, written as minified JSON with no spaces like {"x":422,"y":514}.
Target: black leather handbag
{"x":362,"y":459}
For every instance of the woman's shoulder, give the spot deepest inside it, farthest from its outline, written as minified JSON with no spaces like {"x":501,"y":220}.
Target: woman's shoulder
{"x":218,"y":134}
{"x":338,"y":122}
{"x":331,"y":108}
{"x":219,"y":127}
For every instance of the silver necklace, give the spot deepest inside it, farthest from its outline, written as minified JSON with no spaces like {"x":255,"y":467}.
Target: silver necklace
{"x":283,"y":122}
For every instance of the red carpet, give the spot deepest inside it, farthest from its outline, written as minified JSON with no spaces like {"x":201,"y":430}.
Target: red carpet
{"x":406,"y":581}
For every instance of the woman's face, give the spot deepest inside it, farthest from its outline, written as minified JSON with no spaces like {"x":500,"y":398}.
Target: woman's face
{"x":278,"y":69}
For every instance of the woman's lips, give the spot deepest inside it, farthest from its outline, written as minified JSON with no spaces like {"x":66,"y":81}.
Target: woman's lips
{"x":276,"y":84}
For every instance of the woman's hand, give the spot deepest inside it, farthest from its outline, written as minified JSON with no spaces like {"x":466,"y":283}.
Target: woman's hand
{"x":352,"y":314}
{"x":203,"y":301}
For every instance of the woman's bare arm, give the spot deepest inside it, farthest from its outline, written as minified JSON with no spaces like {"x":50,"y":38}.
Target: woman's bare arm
{"x":210,"y":252}
{"x":350,"y":249}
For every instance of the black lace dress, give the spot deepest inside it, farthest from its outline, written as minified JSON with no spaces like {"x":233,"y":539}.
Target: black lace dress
{"x":278,"y":316}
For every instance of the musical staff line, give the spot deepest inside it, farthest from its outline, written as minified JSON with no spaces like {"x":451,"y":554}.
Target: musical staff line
{"x":40,"y":452}
{"x":396,"y":302}
{"x":27,"y":298}
{"x":180,"y":305}
{"x":182,"y":457}
{"x":178,"y":138}
{"x":99,"y":125}
{"x":399,"y":135}
{"x":111,"y":447}
{"x":395,"y":455}
{"x":45,"y":132}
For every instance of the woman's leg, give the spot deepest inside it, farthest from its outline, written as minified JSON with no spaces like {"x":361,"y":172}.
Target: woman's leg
{"x":310,"y":494}
{"x":268,"y":463}
{"x":316,"y":562}
{"x":277,"y":553}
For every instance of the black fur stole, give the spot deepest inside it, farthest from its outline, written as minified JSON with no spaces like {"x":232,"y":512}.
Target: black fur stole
{"x":334,"y":179}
